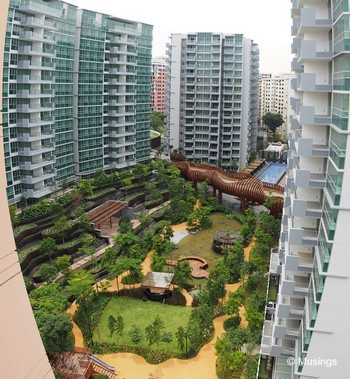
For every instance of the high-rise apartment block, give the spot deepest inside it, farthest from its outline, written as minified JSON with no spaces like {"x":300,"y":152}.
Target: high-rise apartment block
{"x":213,"y":97}
{"x":77,"y":95}
{"x":159,"y":84}
{"x":274,"y":97}
{"x":308,"y":330}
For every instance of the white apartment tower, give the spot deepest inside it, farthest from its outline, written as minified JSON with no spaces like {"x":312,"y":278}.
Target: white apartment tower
{"x":213,"y":97}
{"x":274,"y":96}
{"x":308,"y":330}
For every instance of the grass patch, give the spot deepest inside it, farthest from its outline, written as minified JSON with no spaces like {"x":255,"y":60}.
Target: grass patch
{"x":141,"y":313}
{"x":200,"y":244}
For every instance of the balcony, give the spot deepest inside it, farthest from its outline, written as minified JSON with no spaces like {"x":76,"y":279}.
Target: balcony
{"x":35,"y":65}
{"x":37,"y":163}
{"x":38,"y":7}
{"x":308,"y":148}
{"x":305,"y":208}
{"x":28,"y":50}
{"x":307,"y":83}
{"x":35,"y":79}
{"x":275,"y":264}
{"x":37,"y":178}
{"x":34,"y":136}
{"x":304,"y":178}
{"x":303,"y":236}
{"x":296,"y":66}
{"x":29,"y":108}
{"x":31,"y":94}
{"x":35,"y":22}
{"x":311,"y":22}
{"x":282,"y":347}
{"x":33,"y":122}
{"x":266,"y":340}
{"x":35,"y":150}
{"x":310,"y":52}
{"x":294,"y":122}
{"x":290,"y":307}
{"x":37,"y":37}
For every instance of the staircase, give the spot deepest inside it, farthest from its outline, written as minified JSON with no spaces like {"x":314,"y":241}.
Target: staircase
{"x":102,"y":370}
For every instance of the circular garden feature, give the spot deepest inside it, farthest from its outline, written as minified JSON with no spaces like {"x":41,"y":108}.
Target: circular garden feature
{"x":224,"y":240}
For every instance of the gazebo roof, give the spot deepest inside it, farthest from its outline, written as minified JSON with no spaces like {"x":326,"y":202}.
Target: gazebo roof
{"x":157,"y":280}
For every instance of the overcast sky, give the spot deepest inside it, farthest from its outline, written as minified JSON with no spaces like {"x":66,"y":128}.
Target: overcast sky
{"x":266,"y":22}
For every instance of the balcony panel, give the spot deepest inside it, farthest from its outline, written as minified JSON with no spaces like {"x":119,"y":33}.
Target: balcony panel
{"x":310,"y":22}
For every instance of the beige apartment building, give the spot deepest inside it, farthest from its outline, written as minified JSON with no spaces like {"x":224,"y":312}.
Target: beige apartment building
{"x":22,"y":353}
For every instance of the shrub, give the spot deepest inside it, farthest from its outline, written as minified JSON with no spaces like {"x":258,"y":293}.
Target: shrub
{"x":20,"y":229}
{"x":232,"y":322}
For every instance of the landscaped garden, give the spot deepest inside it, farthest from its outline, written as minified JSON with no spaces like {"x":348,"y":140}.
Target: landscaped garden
{"x":137,"y":315}
{"x":200,"y":244}
{"x":53,"y":234}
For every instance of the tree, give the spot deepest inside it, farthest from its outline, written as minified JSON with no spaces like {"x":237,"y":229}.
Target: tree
{"x":125,"y":224}
{"x":232,"y":304}
{"x":111,"y":324}
{"x":272,"y":121}
{"x":158,"y":262}
{"x":140,"y":170}
{"x":182,"y":274}
{"x":216,"y":289}
{"x":22,"y":203}
{"x":13,"y":217}
{"x":109,"y":258}
{"x":166,"y":337}
{"x":119,"y":326}
{"x":154,"y":330}
{"x":231,"y":362}
{"x":48,"y":299}
{"x":47,"y":272}
{"x":180,"y":336}
{"x":157,"y":121}
{"x":136,"y":334}
{"x":61,"y":226}
{"x":100,"y":178}
{"x":56,"y":332}
{"x":48,"y":246}
{"x":63,"y":265}
{"x":85,"y":187}
{"x":125,"y":241}
{"x":79,"y":283}
{"x":64,"y":185}
{"x":116,"y":269}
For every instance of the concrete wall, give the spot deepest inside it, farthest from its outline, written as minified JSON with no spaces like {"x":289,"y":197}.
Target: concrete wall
{"x":22,"y":353}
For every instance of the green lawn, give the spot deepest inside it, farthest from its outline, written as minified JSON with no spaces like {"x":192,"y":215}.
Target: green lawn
{"x":200,"y":244}
{"x":141,"y":313}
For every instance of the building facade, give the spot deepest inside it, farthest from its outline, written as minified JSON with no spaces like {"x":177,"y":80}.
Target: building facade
{"x":307,"y":330}
{"x":77,"y":95}
{"x":22,"y":354}
{"x":274,"y":97}
{"x":212,"y":107}
{"x":159,"y":84}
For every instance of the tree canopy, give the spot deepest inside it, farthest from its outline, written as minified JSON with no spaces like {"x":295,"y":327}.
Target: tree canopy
{"x":272,"y":121}
{"x":157,"y":121}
